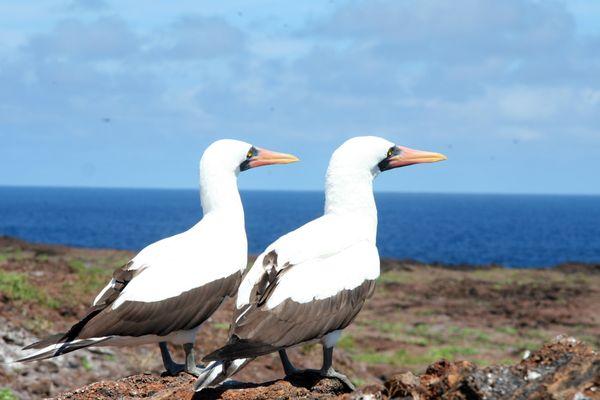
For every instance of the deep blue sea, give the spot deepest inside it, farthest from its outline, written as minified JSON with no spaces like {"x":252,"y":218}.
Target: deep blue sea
{"x":511,"y":230}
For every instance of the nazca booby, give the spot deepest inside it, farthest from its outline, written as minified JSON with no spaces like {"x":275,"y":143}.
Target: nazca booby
{"x":172,"y":286}
{"x":312,"y":282}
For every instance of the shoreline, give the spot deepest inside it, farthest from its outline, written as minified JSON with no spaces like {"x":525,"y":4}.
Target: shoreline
{"x":386,"y":262}
{"x":292,"y":190}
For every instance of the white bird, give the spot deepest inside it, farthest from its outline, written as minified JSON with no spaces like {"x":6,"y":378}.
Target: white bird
{"x":172,"y":286}
{"x":312,"y":282}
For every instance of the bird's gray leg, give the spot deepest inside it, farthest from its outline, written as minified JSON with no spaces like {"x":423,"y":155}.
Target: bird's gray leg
{"x":190,"y":360}
{"x":171,"y":367}
{"x":288,"y":367}
{"x":328,"y":371}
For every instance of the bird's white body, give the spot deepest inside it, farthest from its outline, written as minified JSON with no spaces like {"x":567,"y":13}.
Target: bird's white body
{"x":169,"y":288}
{"x":329,"y":254}
{"x":214,"y":248}
{"x":334,"y":252}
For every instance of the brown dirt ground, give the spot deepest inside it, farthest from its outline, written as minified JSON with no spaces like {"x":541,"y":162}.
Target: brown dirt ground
{"x":418,"y":315}
{"x":562,"y":369}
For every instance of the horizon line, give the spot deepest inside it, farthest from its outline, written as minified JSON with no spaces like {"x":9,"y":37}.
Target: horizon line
{"x":474,"y":193}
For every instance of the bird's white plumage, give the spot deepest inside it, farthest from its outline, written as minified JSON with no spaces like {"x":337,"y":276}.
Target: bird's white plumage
{"x":328,"y":255}
{"x":170,"y":287}
{"x":336,"y":251}
{"x":214,"y":248}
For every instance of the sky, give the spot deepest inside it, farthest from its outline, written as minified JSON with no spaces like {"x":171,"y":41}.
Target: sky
{"x":128,"y":93}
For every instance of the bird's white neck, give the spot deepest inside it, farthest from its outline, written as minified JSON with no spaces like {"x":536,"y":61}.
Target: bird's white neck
{"x":219,"y":192}
{"x":349,"y":192}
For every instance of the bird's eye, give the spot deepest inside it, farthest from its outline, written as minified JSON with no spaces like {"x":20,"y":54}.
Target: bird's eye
{"x":390,"y":152}
{"x":251,"y":152}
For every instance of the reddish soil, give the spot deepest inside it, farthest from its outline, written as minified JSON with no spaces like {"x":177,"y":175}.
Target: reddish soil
{"x":563,"y":369}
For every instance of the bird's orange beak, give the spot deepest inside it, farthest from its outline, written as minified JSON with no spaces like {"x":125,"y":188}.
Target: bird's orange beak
{"x":406,"y":156}
{"x":268,"y":157}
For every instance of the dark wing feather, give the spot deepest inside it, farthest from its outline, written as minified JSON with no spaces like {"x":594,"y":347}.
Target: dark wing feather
{"x":122,"y":276}
{"x":260,"y":330}
{"x":182,"y":312}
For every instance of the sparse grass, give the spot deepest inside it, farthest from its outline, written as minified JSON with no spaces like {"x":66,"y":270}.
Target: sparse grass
{"x":421,"y":330}
{"x":77,"y":266}
{"x":417,"y":341}
{"x":400,"y":358}
{"x":508,"y":330}
{"x":42,"y":257}
{"x":394,"y":328}
{"x":347,"y":343}
{"x":358,"y":382}
{"x":16,"y":287}
{"x":37,"y":324}
{"x":390,"y":277}
{"x":307,"y":348}
{"x":469,"y":333}
{"x":426,"y":312}
{"x":3,"y":257}
{"x":89,"y":278}
{"x":221,"y":326}
{"x":18,"y":255}
{"x":450,"y":352}
{"x":7,"y":394}
{"x":404,"y":358}
{"x":527,"y":345}
{"x":86,"y":364}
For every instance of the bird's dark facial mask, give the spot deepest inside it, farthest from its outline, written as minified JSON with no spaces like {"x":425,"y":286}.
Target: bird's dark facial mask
{"x":257,"y":157}
{"x":399,"y":156}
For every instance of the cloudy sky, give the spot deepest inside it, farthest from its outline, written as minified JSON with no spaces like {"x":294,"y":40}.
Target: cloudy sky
{"x":128,"y":93}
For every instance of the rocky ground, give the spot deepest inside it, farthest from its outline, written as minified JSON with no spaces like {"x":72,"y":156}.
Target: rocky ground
{"x":419,"y":315}
{"x":562,"y":369}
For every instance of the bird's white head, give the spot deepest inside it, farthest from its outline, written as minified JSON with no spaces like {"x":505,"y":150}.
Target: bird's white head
{"x":357,"y":161}
{"x":373,"y":155}
{"x":222,"y":161}
{"x":228,"y":155}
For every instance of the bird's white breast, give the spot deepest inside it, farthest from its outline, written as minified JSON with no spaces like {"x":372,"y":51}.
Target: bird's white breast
{"x":215,"y":248}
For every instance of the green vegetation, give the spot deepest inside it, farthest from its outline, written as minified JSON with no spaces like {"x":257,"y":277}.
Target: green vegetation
{"x":221,"y":326}
{"x":389,"y":327}
{"x":86,"y":364}
{"x":77,"y":266}
{"x":358,"y":382}
{"x":469,"y":333}
{"x":89,"y":278}
{"x":37,"y":324}
{"x":18,"y":255}
{"x":347,"y":342}
{"x":7,"y":394}
{"x":403,"y":358}
{"x":450,"y":352}
{"x":16,"y":287}
{"x":508,"y":330}
{"x":42,"y":257}
{"x":400,"y":358}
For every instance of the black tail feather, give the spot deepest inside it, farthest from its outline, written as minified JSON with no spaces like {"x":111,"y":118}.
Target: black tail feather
{"x":239,"y":348}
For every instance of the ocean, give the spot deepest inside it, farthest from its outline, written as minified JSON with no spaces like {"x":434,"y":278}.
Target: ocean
{"x":509,"y":230}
